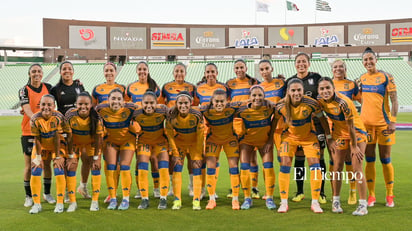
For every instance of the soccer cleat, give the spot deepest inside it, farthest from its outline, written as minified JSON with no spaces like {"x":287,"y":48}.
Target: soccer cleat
{"x":144,"y":204}
{"x":36,"y":208}
{"x":371,"y":201}
{"x":138,"y":195}
{"x":84,"y":192}
{"x":255,"y":193}
{"x":211,"y":205}
{"x":28,"y":202}
{"x":389,"y":201}
{"x":177,"y":204}
{"x":59,"y":208}
{"x":190,"y":189}
{"x":94,"y":206}
{"x":156,"y":193}
{"x":246,"y":204}
{"x":107,"y":200}
{"x":352,"y":198}
{"x":283,"y":208}
{"x":162,"y":204}
{"x":322,"y":199}
{"x":270,"y":204}
{"x":229,"y":195}
{"x":315,"y":207}
{"x":361,"y":210}
{"x":49,"y":198}
{"x":196,"y":205}
{"x":72,"y":207}
{"x":336,"y":207}
{"x":112,"y":204}
{"x":235,"y":205}
{"x":298,"y":197}
{"x":124,"y":205}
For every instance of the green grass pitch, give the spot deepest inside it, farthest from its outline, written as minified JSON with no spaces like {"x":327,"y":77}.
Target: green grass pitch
{"x":13,"y":216}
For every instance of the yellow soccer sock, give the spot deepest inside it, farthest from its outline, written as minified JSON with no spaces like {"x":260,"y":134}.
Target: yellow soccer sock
{"x":60,"y":185}
{"x":164,"y":177}
{"x":211,"y":181}
{"x":388,"y":175}
{"x":126,"y":180}
{"x":245,"y":179}
{"x":71,"y":185}
{"x":111,"y":168}
{"x":143,"y":180}
{"x":35,"y":184}
{"x":96,"y":182}
{"x":315,"y":180}
{"x":349,"y":170}
{"x":234,"y":181}
{"x":116,"y":177}
{"x":177,"y":181}
{"x":254,"y":174}
{"x":284,"y":179}
{"x":155,"y":177}
{"x":370,"y":173}
{"x":269,"y":174}
{"x":197,"y":183}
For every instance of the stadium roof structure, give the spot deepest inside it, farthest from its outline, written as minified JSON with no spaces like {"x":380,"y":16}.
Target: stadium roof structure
{"x":27,"y":48}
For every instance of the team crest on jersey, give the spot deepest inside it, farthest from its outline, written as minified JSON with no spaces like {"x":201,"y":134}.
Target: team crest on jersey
{"x":77,"y":90}
{"x":227,"y":113}
{"x":53,"y":125}
{"x":233,"y":143}
{"x":141,"y":121}
{"x":158,"y":120}
{"x":170,"y":88}
{"x":102,"y":89}
{"x":203,"y":91}
{"x":265,"y":113}
{"x":378,"y":80}
{"x":305,"y":113}
{"x":192,"y":123}
{"x":135,"y":89}
{"x":106,"y":116}
{"x":124,"y":115}
{"x":248,"y":116}
{"x":336,"y":110}
{"x":186,"y":88}
{"x":74,"y":124}
{"x":311,"y":82}
{"x":277,"y":85}
{"x":346,"y":86}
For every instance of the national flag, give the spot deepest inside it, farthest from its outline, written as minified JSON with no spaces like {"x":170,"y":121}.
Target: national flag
{"x":291,"y":6}
{"x":322,"y":6}
{"x":262,"y":6}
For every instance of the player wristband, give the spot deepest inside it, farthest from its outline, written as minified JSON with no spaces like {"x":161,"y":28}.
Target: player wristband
{"x":95,"y":157}
{"x":71,"y":156}
{"x":329,"y":136}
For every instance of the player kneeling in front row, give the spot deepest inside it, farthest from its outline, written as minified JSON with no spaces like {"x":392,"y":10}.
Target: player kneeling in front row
{"x":297,"y":110}
{"x":46,"y":127}
{"x":84,"y":139}
{"x":350,"y":135}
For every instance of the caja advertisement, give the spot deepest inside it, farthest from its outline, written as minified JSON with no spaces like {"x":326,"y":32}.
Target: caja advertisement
{"x":204,"y":38}
{"x":401,"y":33}
{"x":127,"y":38}
{"x":325,"y":35}
{"x":240,"y":37}
{"x":87,"y":37}
{"x":285,"y":36}
{"x":168,"y":38}
{"x":367,"y":35}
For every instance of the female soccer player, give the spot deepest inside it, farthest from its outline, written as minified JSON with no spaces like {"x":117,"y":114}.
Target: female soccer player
{"x":310,"y":88}
{"x":65,"y":92}
{"x":134,"y":93}
{"x":351,"y":90}
{"x":258,"y":133}
{"x":297,"y":110}
{"x":46,"y":127}
{"x":168,"y":97}
{"x":119,"y":144}
{"x":209,"y":84}
{"x":30,"y":96}
{"x":350,"y":136}
{"x":152,"y":142}
{"x":219,"y":120}
{"x":239,"y":91}
{"x":84,"y":139}
{"x":184,"y":129}
{"x":380,"y":122}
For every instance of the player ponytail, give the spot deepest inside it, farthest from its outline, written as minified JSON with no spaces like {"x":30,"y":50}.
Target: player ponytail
{"x":94,"y":116}
{"x":369,"y":50}
{"x":288,"y":100}
{"x":204,"y":79}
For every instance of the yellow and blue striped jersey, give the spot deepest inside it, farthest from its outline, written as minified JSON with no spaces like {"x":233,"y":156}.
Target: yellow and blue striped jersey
{"x":46,"y":130}
{"x":80,"y":128}
{"x":275,"y":90}
{"x":135,"y":91}
{"x":171,"y":89}
{"x":348,"y":88}
{"x":204,"y":91}
{"x":101,"y":92}
{"x":152,"y":126}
